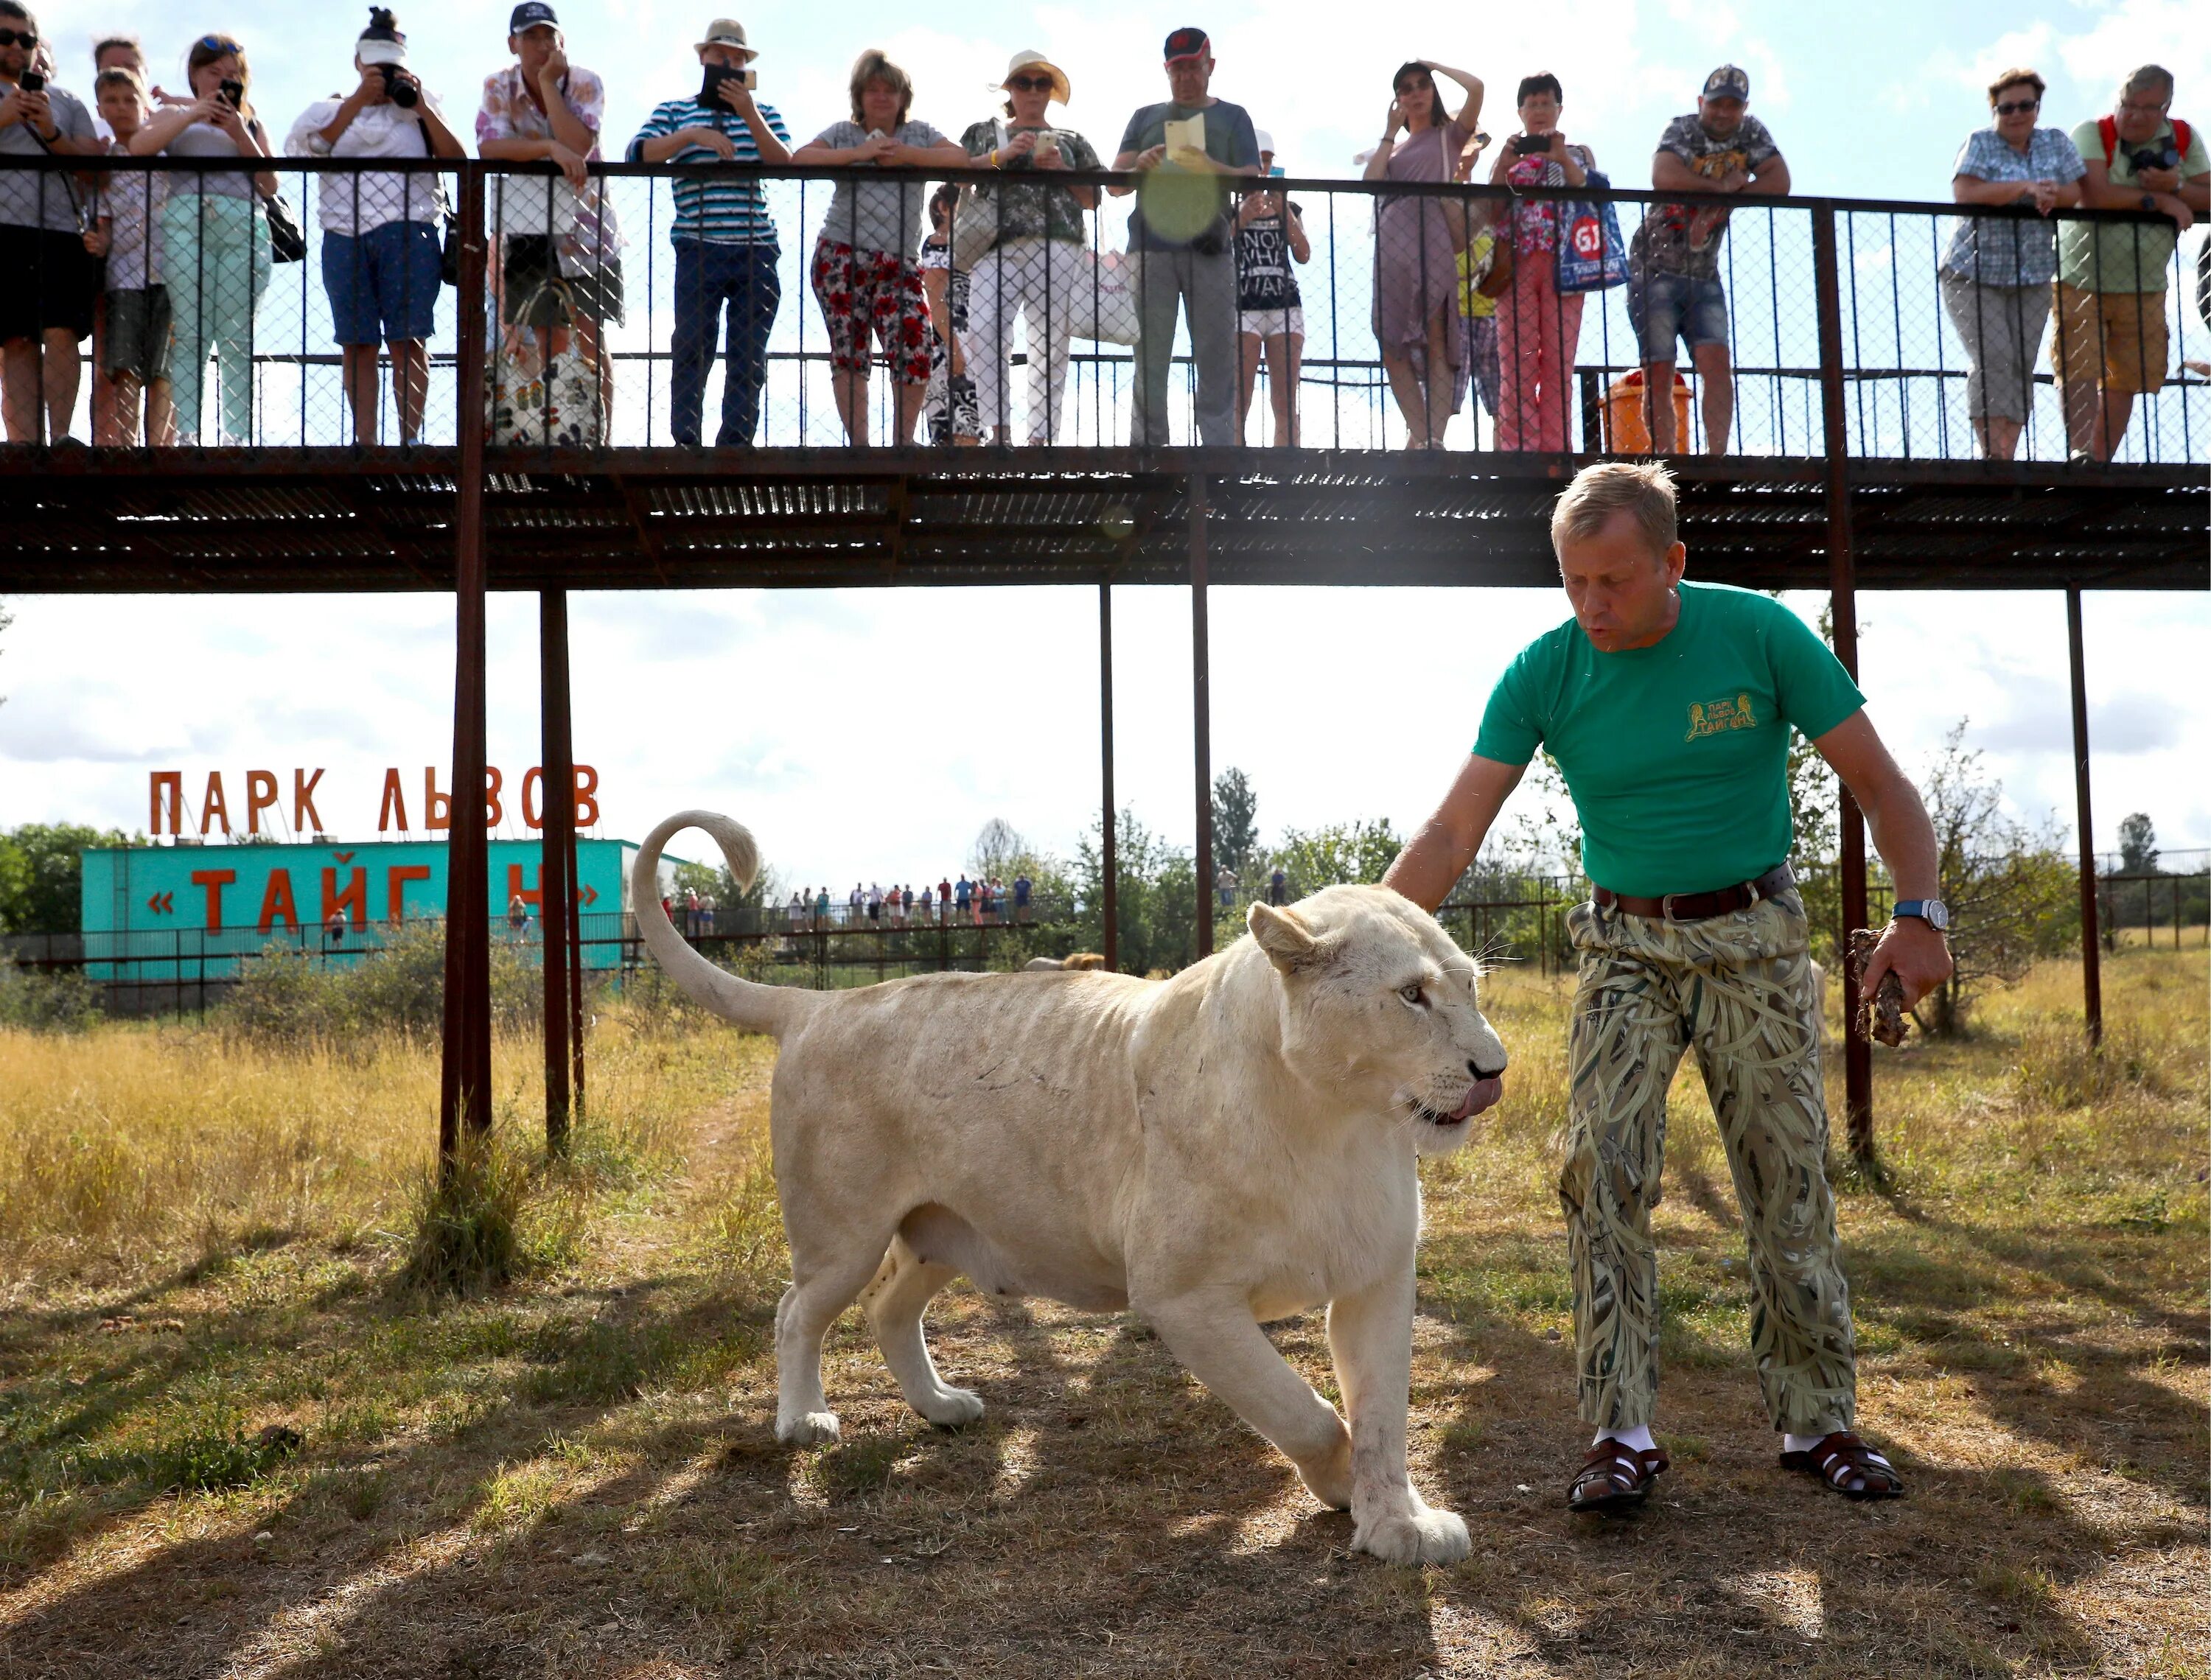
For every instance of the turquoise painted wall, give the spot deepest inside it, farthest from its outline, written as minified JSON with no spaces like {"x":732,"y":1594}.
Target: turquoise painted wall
{"x":159,"y":913}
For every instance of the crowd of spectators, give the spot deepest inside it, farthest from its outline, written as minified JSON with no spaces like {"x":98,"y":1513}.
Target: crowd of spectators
{"x":988,"y":902}
{"x":929,"y":284}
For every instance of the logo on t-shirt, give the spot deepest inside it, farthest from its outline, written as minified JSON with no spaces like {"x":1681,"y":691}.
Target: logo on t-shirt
{"x":1717,"y":718}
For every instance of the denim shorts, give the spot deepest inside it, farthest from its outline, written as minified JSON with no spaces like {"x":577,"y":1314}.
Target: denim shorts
{"x":1666,"y":307}
{"x":384,"y":284}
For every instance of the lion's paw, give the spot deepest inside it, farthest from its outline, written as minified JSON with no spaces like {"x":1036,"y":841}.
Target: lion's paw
{"x":1420,"y":1536}
{"x":948,"y":1408}
{"x":809,"y":1428}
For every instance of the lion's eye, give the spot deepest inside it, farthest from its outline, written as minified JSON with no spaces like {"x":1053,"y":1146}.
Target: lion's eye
{"x":1411,"y":994}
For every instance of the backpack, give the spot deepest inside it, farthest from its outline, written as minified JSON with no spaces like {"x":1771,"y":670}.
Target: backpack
{"x":2107,"y":128}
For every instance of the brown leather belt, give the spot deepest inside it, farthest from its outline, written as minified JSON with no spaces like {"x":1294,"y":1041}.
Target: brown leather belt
{"x":1698,"y":906}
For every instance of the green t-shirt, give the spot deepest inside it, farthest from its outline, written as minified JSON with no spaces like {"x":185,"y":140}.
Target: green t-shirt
{"x":2124,"y":257}
{"x":1676,"y":754}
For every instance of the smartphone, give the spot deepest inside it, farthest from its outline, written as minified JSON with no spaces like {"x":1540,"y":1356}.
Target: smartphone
{"x":31,"y":82}
{"x":717,"y":74}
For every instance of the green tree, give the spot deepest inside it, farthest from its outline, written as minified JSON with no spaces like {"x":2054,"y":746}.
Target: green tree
{"x":1337,"y":853}
{"x":41,"y":875}
{"x":1157,"y":896}
{"x":2137,"y":844}
{"x":2012,"y":891}
{"x":1235,"y":823}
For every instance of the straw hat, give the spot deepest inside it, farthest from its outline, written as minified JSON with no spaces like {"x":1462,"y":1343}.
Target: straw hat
{"x":1032,"y":61}
{"x":728,"y":32}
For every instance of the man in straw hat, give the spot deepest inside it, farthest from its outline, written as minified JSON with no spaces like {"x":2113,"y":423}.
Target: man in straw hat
{"x":724,"y":237}
{"x":1035,"y":269}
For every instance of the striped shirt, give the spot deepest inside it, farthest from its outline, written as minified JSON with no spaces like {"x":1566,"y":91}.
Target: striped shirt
{"x":721,"y":207}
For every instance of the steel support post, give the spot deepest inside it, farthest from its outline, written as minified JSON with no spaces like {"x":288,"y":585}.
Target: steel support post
{"x":1109,"y":863}
{"x":556,"y":881}
{"x":464,"y":1087}
{"x":1201,"y":713}
{"x":1842,"y":583}
{"x":2092,"y":950}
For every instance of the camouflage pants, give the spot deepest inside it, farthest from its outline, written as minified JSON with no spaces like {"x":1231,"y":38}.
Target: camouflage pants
{"x":1737,"y":989}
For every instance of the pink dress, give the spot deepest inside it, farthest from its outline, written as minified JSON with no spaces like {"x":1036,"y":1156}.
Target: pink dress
{"x":1415,"y":253}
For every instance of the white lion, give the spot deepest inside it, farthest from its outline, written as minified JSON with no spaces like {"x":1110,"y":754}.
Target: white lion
{"x":1231,"y":1145}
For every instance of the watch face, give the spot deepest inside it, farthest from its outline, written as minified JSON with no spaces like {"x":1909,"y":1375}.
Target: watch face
{"x":1937,"y":914}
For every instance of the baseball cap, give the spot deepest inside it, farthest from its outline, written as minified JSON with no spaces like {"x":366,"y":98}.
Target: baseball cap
{"x":728,"y":32}
{"x":1728,"y":81}
{"x":528,"y":15}
{"x":1187,"y":44}
{"x":1266,"y":139}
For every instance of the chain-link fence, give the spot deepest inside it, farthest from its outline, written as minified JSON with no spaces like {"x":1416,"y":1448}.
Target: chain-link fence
{"x":998,"y":308}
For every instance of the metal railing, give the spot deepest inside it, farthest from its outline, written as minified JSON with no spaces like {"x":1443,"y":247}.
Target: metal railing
{"x":599,"y":334}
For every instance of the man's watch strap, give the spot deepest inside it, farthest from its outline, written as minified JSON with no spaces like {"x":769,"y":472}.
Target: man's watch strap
{"x":1932,"y":912}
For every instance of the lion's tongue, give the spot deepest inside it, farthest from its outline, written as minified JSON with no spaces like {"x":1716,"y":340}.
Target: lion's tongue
{"x":1484,"y":1094}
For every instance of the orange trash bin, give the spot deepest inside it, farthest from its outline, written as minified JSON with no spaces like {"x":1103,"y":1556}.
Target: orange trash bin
{"x":1626,"y":430}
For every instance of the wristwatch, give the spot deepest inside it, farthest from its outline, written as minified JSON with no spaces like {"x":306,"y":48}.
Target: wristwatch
{"x":1932,"y":912}
{"x":2149,"y":200}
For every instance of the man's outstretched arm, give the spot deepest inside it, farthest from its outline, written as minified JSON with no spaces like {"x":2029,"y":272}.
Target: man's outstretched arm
{"x":1897,"y":819}
{"x":1431,"y":864}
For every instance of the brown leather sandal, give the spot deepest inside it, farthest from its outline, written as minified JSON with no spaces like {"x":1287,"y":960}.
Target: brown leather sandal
{"x":1850,"y":1466}
{"x":1615,"y":1477}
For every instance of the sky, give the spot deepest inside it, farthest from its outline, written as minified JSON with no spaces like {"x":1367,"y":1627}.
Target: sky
{"x":868,"y":734}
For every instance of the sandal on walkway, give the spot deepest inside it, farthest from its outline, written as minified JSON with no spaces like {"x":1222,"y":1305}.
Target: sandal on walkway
{"x":1850,"y":1466}
{"x":1615,"y":1477}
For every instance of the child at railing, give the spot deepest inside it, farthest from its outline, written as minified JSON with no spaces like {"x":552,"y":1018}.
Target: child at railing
{"x":134,"y":351}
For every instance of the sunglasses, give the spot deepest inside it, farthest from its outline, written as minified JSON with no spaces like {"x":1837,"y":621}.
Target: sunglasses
{"x":1032,"y":84}
{"x":219,"y":44}
{"x":26,"y":39}
{"x":2012,"y":107}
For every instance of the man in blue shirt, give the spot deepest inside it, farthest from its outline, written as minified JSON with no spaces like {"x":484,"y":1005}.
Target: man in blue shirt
{"x":1182,"y":238}
{"x":724,"y":237}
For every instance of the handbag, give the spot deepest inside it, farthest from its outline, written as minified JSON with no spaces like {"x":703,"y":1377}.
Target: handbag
{"x":1592,"y":257}
{"x":975,"y":217}
{"x":537,"y":401}
{"x":287,"y":244}
{"x":449,"y":237}
{"x":1494,"y":278}
{"x":1105,"y":307}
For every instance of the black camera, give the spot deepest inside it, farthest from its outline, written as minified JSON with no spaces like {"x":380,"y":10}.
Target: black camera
{"x":1523,"y":144}
{"x":233,"y":94}
{"x":2160,"y":156}
{"x":31,"y":82}
{"x":401,"y":88}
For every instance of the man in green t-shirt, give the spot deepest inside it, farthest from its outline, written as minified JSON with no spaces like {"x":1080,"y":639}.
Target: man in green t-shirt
{"x":1668,"y":706}
{"x":2111,"y":342}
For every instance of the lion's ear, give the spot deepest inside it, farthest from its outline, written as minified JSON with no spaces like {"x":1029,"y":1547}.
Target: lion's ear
{"x":1284,"y":936}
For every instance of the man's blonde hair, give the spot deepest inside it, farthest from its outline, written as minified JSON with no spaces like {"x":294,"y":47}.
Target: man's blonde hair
{"x":1642,"y":489}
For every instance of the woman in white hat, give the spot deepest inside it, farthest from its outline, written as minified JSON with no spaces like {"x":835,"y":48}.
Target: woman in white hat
{"x":1034,"y":269}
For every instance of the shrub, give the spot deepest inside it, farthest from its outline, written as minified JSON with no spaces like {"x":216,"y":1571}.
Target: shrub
{"x":63,"y":1002}
{"x":289,"y":997}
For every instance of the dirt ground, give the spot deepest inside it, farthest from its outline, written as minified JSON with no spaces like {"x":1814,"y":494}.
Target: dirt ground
{"x":577,"y":1475}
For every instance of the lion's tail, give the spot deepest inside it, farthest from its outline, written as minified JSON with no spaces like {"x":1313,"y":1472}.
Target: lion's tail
{"x":757,"y":1008}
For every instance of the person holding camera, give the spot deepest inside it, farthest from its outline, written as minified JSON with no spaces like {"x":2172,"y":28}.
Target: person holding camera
{"x":1417,"y":239}
{"x":724,"y":237}
{"x":382,"y":246}
{"x":49,"y":282}
{"x":1996,"y":270}
{"x":560,"y":262}
{"x":1539,"y":329}
{"x":2111,"y":342}
{"x":215,"y":234}
{"x":865,"y":275}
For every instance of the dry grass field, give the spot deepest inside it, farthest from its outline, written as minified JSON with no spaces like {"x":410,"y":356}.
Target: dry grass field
{"x":230,"y":1444}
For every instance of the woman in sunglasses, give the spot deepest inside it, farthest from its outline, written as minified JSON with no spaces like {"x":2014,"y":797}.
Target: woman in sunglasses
{"x":1997,"y":270}
{"x":214,"y":233}
{"x":1034,"y":269}
{"x":1417,"y":242}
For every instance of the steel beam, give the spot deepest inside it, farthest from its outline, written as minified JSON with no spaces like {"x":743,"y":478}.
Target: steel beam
{"x":556,"y":882}
{"x":2091,"y":953}
{"x":1201,"y":698}
{"x":1109,"y":863}
{"x":1842,"y":585}
{"x":464,"y":1084}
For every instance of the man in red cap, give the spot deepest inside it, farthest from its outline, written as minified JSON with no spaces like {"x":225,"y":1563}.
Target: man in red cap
{"x":1187,"y":151}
